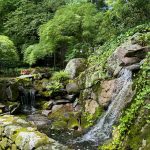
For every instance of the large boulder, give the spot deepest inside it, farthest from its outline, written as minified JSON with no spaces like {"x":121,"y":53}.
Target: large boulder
{"x":75,"y":67}
{"x":8,"y":92}
{"x":72,"y":88}
{"x":39,"y":120}
{"x":107,"y":89}
{"x":100,"y":94}
{"x":91,"y":106}
{"x":90,"y":77}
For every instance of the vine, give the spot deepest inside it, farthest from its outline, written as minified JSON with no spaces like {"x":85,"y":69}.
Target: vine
{"x":142,"y":88}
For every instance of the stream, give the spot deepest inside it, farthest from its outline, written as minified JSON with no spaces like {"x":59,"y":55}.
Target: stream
{"x":97,"y":134}
{"x":102,"y":131}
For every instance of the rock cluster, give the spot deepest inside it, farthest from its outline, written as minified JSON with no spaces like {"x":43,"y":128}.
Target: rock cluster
{"x":129,"y":55}
{"x":17,"y":134}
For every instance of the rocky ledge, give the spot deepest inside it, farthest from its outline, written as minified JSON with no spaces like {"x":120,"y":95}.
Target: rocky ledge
{"x":17,"y":134}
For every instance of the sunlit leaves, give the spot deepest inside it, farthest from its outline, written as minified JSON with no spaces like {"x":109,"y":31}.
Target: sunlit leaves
{"x":8,"y":52}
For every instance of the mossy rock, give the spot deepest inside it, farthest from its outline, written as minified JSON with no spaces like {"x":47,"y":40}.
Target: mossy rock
{"x":88,"y":120}
{"x":91,"y":76}
{"x":63,"y":119}
{"x":24,"y":138}
{"x":76,"y":66}
{"x":73,"y":123}
{"x":14,"y":89}
{"x":59,"y":124}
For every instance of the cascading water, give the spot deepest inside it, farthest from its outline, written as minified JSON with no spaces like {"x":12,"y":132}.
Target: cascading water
{"x":27,"y":99}
{"x":32,"y":99}
{"x":103,"y":129}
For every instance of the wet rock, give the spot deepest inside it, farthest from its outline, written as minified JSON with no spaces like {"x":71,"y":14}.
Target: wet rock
{"x":46,"y":112}
{"x":134,"y":67}
{"x":56,"y":107}
{"x":39,"y":120}
{"x":127,"y":54}
{"x":75,"y":67}
{"x":108,"y":87}
{"x":48,"y":105}
{"x":120,"y":97}
{"x":70,"y":97}
{"x":61,"y":101}
{"x":91,"y":106}
{"x":72,"y":88}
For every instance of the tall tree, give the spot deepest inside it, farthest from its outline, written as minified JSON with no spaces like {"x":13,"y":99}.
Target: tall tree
{"x":72,"y":31}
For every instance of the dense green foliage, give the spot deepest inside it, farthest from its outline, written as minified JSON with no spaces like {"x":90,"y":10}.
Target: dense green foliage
{"x":77,"y":29}
{"x":67,"y":28}
{"x":22,"y":24}
{"x":8,"y":53}
{"x":100,"y":55}
{"x":60,"y":76}
{"x":72,"y":29}
{"x":34,"y":31}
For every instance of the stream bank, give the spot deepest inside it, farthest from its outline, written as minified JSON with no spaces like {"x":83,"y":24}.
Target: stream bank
{"x":69,"y":103}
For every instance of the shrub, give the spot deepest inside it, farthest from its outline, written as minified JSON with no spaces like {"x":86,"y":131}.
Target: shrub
{"x":60,"y":76}
{"x":8,"y":53}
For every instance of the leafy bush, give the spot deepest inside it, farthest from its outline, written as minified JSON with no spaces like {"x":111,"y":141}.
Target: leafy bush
{"x":53,"y":87}
{"x":60,"y":76}
{"x":8,"y":53}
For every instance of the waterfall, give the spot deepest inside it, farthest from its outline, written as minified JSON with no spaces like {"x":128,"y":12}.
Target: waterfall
{"x":32,"y":99}
{"x":103,"y":129}
{"x":27,"y":99}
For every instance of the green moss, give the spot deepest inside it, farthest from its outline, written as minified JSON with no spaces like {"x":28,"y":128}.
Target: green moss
{"x":73,"y":123}
{"x":87,"y":119}
{"x":17,"y":132}
{"x":24,"y":117}
{"x":43,"y":139}
{"x":7,"y":118}
{"x":139,"y":131}
{"x":46,"y":105}
{"x":59,"y":124}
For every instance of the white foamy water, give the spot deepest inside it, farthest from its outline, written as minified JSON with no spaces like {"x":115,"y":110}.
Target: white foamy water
{"x":103,"y":129}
